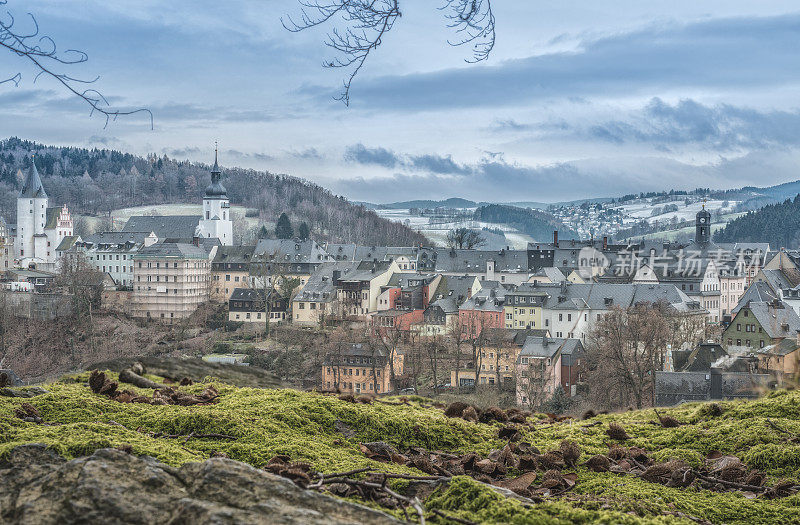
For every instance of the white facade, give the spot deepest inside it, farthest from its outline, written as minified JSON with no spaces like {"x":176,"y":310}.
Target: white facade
{"x":39,"y":229}
{"x":216,"y":221}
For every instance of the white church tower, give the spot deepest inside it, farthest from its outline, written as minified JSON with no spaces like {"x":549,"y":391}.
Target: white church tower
{"x":216,"y":221}
{"x":31,"y":216}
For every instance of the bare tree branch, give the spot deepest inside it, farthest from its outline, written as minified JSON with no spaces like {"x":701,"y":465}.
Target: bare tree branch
{"x":367,"y":21}
{"x":473,"y":22}
{"x":41,"y":50}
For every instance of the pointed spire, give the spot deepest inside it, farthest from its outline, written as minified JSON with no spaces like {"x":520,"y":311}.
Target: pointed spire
{"x":216,"y":190}
{"x":33,"y":187}
{"x":215,"y":169}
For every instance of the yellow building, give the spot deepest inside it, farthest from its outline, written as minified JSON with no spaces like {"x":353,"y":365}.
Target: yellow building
{"x":523,"y":307}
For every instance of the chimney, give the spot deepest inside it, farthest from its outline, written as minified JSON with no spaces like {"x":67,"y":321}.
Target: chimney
{"x":555,"y":238}
{"x":337,"y":274}
{"x":605,"y":242}
{"x":196,"y":240}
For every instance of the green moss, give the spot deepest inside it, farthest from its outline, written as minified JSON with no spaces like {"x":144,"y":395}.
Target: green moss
{"x":326,"y":432}
{"x":468,"y":499}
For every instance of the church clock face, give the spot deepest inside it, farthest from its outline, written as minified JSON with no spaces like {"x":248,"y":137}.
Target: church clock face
{"x":702,"y":219}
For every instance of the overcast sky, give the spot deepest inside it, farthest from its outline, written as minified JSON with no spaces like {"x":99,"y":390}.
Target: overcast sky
{"x":578,"y":99}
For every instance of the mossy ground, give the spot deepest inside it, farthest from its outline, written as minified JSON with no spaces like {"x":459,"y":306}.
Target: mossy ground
{"x":312,"y":427}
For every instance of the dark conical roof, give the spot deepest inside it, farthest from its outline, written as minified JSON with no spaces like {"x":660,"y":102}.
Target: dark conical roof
{"x":33,"y":187}
{"x":216,"y":190}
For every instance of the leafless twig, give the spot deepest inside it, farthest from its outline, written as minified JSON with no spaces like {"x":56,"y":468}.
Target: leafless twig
{"x":367,"y":21}
{"x":41,"y":50}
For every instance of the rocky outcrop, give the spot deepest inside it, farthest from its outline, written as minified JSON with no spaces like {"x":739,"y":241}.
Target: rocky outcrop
{"x":111,"y":486}
{"x":196,"y":369}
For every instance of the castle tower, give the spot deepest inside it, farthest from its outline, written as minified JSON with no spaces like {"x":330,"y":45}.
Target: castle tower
{"x":702,"y":226}
{"x":216,"y":221}
{"x":31,"y":214}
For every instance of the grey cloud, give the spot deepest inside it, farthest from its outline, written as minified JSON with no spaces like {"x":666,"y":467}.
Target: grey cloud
{"x":721,"y":127}
{"x":440,"y":164}
{"x":744,"y":52}
{"x":378,"y":156}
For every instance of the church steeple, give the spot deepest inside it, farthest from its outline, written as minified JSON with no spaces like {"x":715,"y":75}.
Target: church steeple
{"x":33,"y":187}
{"x":215,"y":173}
{"x":702,"y":225}
{"x":216,"y":190}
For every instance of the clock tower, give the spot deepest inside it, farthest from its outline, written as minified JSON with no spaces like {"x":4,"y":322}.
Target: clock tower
{"x":702,"y":225}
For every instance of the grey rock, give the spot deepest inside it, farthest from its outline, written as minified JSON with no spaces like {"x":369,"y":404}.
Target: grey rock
{"x":23,"y":392}
{"x":113,"y":487}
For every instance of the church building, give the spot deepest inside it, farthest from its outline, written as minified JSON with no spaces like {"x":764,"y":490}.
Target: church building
{"x":40,"y":229}
{"x":216,"y":220}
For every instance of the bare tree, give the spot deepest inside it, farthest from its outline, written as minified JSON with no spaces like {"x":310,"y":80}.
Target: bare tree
{"x":41,"y":51}
{"x":465,"y":238}
{"x":366,"y":22}
{"x":627,"y":349}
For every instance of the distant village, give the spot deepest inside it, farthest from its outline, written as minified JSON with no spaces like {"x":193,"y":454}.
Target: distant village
{"x":522,"y":320}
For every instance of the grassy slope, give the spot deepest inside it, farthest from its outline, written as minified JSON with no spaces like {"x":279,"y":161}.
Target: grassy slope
{"x":303,"y":425}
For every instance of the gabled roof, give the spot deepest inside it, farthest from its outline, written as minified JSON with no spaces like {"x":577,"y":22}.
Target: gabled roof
{"x":474,"y":261}
{"x":164,"y":226}
{"x":33,"y":187}
{"x":366,"y":271}
{"x":757,"y":292}
{"x":67,"y":242}
{"x":290,"y":251}
{"x":447,"y":304}
{"x":777,"y":319}
{"x":234,"y":254}
{"x":247,"y":294}
{"x":700,"y":358}
{"x":116,"y":238}
{"x":542,"y":347}
{"x":319,"y":288}
{"x":783,"y":348}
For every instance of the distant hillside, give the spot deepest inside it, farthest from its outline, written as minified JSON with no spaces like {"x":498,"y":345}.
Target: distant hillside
{"x":536,"y":223}
{"x":777,"y":224}
{"x":97,"y":181}
{"x":453,"y":202}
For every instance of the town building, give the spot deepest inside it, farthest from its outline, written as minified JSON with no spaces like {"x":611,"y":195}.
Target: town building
{"x":171,"y":279}
{"x":247,"y":305}
{"x":541,"y":365}
{"x":112,"y":253}
{"x":230,"y":270}
{"x":759,"y":324}
{"x":359,"y":369}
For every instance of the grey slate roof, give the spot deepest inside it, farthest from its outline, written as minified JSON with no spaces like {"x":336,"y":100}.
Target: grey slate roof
{"x":319,"y":287}
{"x":757,"y":292}
{"x":178,"y":250}
{"x":474,"y":261}
{"x":247,"y":294}
{"x":456,"y":287}
{"x":116,"y":238}
{"x":783,"y":348}
{"x":447,"y":304}
{"x":33,"y":187}
{"x":277,"y":250}
{"x":234,"y":254}
{"x":543,"y":347}
{"x":777,"y":322}
{"x":164,"y":226}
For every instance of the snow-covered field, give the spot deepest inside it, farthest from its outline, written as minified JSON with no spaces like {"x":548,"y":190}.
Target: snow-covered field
{"x":643,"y":210}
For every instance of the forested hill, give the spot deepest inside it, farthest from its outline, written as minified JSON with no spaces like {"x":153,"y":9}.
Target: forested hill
{"x":99,"y":180}
{"x":538,"y":224}
{"x":777,"y":224}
